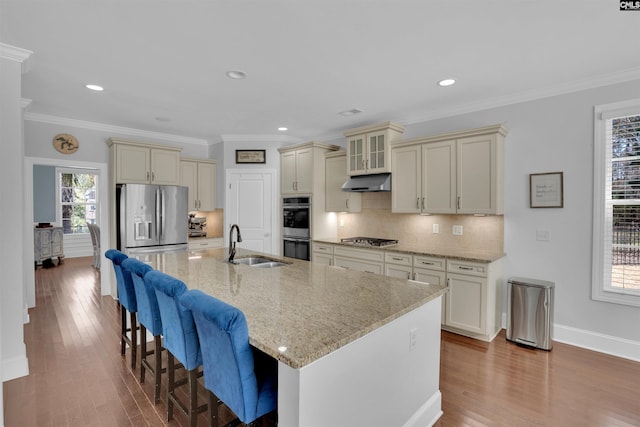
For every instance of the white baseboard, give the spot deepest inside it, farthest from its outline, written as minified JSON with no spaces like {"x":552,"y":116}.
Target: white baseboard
{"x":607,"y":344}
{"x":15,"y":368}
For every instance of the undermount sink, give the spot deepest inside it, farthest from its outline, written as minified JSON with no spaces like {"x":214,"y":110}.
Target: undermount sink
{"x":256,"y":261}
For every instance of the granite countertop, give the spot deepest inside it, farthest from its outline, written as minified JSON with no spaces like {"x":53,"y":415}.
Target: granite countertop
{"x":302,"y":311}
{"x":450,"y":253}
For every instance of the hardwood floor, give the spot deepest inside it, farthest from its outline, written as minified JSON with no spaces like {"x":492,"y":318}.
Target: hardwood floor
{"x":78,"y":377}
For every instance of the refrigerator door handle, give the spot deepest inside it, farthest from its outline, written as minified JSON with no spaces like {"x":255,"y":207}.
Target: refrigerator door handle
{"x":158,"y":214}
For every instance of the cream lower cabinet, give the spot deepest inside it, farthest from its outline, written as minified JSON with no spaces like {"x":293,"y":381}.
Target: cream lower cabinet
{"x":322,"y":253}
{"x":365,"y":260}
{"x":474,"y":300}
{"x":398,"y":265}
{"x":335,"y":174}
{"x":431,"y":270}
{"x":200,"y":177}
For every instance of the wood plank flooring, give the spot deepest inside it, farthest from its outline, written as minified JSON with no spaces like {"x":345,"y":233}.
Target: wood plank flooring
{"x":78,"y":377}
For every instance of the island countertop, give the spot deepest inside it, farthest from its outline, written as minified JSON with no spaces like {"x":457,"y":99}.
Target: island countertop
{"x":302,"y":311}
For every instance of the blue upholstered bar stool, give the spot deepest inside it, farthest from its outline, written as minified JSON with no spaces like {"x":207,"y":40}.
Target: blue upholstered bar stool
{"x":242,"y":377}
{"x":181,"y":342}
{"x":127,"y":300}
{"x":149,"y":319}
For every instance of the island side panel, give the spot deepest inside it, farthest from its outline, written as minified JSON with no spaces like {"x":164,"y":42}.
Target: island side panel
{"x":377,"y":380}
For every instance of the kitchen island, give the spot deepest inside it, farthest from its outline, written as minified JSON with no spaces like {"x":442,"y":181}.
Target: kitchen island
{"x":353,"y":348}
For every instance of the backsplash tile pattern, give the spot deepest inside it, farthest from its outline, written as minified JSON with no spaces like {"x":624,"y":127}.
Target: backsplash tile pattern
{"x":376,"y":220}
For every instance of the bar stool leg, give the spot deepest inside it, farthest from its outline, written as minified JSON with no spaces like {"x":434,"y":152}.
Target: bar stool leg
{"x":158,"y":368}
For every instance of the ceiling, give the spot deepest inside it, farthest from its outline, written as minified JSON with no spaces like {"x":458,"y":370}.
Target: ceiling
{"x":163,"y":63}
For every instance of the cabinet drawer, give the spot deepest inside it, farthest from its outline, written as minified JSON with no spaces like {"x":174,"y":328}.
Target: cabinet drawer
{"x":358,"y":265}
{"x":466,"y":267}
{"x":432,"y":263}
{"x":398,"y":258}
{"x":324,"y":248}
{"x":364,"y":254}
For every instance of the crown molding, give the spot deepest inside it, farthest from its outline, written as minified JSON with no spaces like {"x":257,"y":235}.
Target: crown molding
{"x":260,"y":138}
{"x":62,"y":121}
{"x":526,"y":96}
{"x":16,"y":54}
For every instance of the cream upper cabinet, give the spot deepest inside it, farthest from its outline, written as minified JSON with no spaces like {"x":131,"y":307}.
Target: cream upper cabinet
{"x":335,"y":174}
{"x":302,"y":168}
{"x":406,"y":183}
{"x":140,"y":163}
{"x":296,"y":171}
{"x":200,"y":177}
{"x":459,"y":173}
{"x":368,"y":149}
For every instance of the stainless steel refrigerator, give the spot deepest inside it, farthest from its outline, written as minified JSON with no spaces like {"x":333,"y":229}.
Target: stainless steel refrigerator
{"x":152,"y":218}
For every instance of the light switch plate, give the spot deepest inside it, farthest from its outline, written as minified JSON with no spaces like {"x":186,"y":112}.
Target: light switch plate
{"x":543,"y":235}
{"x":457,"y":230}
{"x":436,"y":228}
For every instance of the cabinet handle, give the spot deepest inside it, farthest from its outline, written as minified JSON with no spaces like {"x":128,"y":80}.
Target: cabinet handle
{"x":397,"y":259}
{"x":462,"y":267}
{"x":414,"y":276}
{"x":427,"y":263}
{"x":147,"y":176}
{"x":367,"y":164}
{"x":423,"y":203}
{"x":347,"y":203}
{"x":153,"y":176}
{"x":408,"y":276}
{"x":418,"y":203}
{"x":363,"y":164}
{"x":458,"y":203}
{"x":448,"y":281}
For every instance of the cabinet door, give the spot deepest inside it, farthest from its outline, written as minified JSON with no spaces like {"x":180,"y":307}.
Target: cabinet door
{"x":206,"y":186}
{"x":356,"y":155}
{"x":189,"y":179}
{"x":337,"y":200}
{"x":133,"y":164}
{"x":377,"y":153}
{"x":398,"y":271}
{"x":165,"y":167}
{"x":439,"y":177}
{"x":466,"y":303}
{"x":476,"y":177}
{"x":304,"y":170}
{"x":287,"y":172}
{"x":406,"y":183}
{"x":322,"y":258}
{"x":433,"y":277}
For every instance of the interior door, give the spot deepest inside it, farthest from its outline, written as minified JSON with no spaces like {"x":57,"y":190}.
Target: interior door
{"x":250,"y":203}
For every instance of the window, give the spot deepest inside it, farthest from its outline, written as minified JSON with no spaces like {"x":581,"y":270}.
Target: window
{"x":616,"y":237}
{"x":78,"y":201}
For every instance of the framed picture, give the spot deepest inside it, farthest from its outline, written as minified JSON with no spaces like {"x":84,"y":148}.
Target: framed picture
{"x":545,"y":190}
{"x":251,"y":156}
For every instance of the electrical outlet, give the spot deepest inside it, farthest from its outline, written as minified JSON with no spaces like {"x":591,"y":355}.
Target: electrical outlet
{"x":413,"y":339}
{"x":436,"y":228}
{"x":543,"y":235}
{"x":341,"y":222}
{"x":457,"y":230}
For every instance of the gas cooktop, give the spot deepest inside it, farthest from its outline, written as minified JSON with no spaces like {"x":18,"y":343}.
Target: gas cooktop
{"x":368,"y":241}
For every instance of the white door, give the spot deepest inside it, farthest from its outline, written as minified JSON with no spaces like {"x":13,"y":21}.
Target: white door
{"x":251,"y":203}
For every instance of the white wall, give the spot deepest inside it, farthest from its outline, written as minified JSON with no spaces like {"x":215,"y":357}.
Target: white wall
{"x":550,"y":135}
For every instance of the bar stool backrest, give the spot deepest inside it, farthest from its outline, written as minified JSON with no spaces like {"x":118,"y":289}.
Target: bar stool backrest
{"x":178,"y":327}
{"x":126,"y":293}
{"x":148,"y":311}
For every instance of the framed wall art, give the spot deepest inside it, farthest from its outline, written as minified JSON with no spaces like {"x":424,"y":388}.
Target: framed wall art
{"x":545,"y":190}
{"x":251,"y":156}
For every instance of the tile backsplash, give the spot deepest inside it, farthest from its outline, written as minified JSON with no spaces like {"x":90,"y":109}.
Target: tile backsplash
{"x":215,"y":222}
{"x":376,"y":220}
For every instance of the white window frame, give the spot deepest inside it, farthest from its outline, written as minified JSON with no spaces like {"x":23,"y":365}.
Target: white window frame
{"x":601,"y":289}
{"x":61,"y":170}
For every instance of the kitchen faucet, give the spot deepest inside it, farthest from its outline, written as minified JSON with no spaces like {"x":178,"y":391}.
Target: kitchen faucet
{"x":232,"y":243}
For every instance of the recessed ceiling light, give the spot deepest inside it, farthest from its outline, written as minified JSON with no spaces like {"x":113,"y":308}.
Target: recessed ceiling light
{"x":350,"y":112}
{"x":446,"y":82}
{"x":282,"y":128}
{"x":236,"y":74}
{"x":95,"y":87}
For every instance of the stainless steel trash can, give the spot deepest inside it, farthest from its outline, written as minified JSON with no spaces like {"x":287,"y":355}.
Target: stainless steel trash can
{"x":530,"y":312}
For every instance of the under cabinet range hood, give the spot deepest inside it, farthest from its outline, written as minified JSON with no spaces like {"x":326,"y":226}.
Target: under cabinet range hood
{"x":363,"y":183}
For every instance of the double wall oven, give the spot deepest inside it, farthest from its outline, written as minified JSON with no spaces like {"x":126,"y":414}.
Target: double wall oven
{"x":296,"y":227}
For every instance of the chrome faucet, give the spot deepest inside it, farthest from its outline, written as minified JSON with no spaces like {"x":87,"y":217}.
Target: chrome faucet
{"x":232,"y":243}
